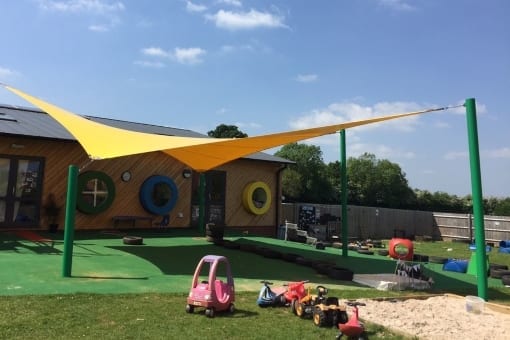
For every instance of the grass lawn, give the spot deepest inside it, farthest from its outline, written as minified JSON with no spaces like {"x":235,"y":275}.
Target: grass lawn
{"x":139,"y":292}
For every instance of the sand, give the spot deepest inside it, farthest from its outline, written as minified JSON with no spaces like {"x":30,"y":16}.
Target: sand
{"x":440,"y":317}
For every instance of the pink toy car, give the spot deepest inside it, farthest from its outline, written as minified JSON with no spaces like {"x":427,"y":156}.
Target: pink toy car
{"x":213,"y":294}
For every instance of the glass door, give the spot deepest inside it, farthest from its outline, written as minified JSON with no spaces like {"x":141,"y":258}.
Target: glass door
{"x":20,"y":191}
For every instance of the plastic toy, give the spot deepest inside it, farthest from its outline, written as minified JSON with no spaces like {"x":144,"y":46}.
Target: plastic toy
{"x":213,"y":294}
{"x":271,"y":297}
{"x":352,"y":328}
{"x":295,"y":292}
{"x":304,"y":307}
{"x":328,"y":311}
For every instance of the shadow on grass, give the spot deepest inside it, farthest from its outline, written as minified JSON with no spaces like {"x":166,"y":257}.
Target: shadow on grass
{"x":182,"y":260}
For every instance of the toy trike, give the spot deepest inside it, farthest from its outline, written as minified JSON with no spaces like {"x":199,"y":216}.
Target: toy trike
{"x":295,"y":292}
{"x":213,"y":294}
{"x":271,"y":297}
{"x":352,"y":328}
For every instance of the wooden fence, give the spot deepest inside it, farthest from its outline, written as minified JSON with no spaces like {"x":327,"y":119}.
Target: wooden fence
{"x":384,"y":223}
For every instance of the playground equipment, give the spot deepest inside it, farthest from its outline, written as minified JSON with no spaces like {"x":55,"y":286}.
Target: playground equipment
{"x":271,"y":297}
{"x":212,"y":294}
{"x":401,"y":249}
{"x":352,"y":328}
{"x":327,"y":311}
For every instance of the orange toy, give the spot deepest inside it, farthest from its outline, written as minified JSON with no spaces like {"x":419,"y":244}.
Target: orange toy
{"x":401,"y":249}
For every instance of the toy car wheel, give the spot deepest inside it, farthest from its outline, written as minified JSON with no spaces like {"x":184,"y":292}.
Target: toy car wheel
{"x":342,"y":317}
{"x":190,"y":308}
{"x":300,"y":310}
{"x":283,"y":300}
{"x":319,"y":317}
{"x":209,"y":312}
{"x":293,"y":306}
{"x":231,"y":308}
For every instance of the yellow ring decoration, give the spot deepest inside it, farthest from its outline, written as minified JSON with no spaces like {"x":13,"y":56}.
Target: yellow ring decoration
{"x":257,"y":198}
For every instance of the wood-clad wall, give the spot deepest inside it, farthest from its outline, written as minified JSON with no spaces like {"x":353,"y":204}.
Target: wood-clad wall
{"x":58,"y":155}
{"x":241,"y":173}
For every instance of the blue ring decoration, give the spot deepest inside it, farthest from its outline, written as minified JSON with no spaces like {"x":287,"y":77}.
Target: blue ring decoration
{"x":146,"y":195}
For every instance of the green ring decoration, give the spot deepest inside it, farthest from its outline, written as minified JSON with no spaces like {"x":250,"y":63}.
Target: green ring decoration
{"x":83,"y":205}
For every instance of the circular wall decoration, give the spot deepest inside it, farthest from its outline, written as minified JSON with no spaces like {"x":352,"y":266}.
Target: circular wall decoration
{"x":96,"y":192}
{"x":158,"y":195}
{"x":257,"y":198}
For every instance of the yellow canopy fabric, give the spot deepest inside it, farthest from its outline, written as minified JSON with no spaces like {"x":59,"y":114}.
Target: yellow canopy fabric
{"x":102,"y":141}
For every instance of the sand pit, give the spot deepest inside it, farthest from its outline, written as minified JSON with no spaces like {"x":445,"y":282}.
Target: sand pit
{"x":440,"y":317}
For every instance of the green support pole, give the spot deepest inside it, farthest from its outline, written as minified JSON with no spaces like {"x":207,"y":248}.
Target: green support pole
{"x":72,"y":183}
{"x":343,"y":181}
{"x":201,"y":204}
{"x":476,"y":188}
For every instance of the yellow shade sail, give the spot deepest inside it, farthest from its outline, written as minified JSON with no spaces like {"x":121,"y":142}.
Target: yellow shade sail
{"x":102,"y":141}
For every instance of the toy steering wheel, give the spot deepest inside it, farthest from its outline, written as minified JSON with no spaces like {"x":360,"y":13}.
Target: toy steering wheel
{"x":321,"y":290}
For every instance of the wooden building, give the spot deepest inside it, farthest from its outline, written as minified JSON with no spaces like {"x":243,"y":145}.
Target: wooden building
{"x":142,"y":191}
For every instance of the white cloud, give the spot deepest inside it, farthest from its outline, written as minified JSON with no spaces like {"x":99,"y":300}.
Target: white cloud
{"x":149,"y":64}
{"x":155,"y":52}
{"x":101,"y":8}
{"x":307,"y":78}
{"x":6,"y":72}
{"x":189,"y":55}
{"x":497,"y":153}
{"x":250,"y":125}
{"x":191,"y":7}
{"x":398,"y":5}
{"x":235,"y":3}
{"x":245,"y":20}
{"x":337,"y":113}
{"x":461,"y":110}
{"x":77,"y":6}
{"x":99,"y":28}
{"x":454,"y":155}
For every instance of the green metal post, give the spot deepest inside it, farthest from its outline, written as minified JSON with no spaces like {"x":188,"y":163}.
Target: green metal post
{"x":201,"y":204}
{"x":343,"y":181}
{"x":476,"y":188}
{"x":72,"y":183}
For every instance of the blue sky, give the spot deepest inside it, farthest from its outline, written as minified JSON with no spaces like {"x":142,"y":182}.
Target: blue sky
{"x":271,"y":66}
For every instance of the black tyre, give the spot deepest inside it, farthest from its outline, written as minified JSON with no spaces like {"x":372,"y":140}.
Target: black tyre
{"x":383,"y":252}
{"x":498,"y":266}
{"x":420,"y":258}
{"x":505,"y":280}
{"x":319,"y":318}
{"x":231,"y":308}
{"x":190,"y":308}
{"x":209,"y":312}
{"x":340,"y":274}
{"x":365,"y":251}
{"x":293,"y":306}
{"x":132,"y":240}
{"x":342,"y":317}
{"x":231,"y":245}
{"x":499,"y":273}
{"x":290,"y":257}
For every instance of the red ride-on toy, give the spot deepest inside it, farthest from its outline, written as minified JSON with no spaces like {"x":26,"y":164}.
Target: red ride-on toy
{"x":353,"y":329}
{"x":213,"y":294}
{"x":295,"y":292}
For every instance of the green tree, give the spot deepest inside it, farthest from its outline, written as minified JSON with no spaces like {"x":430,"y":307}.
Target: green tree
{"x":379,"y":183}
{"x":502,"y":208}
{"x":226,"y":131}
{"x":305,"y":181}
